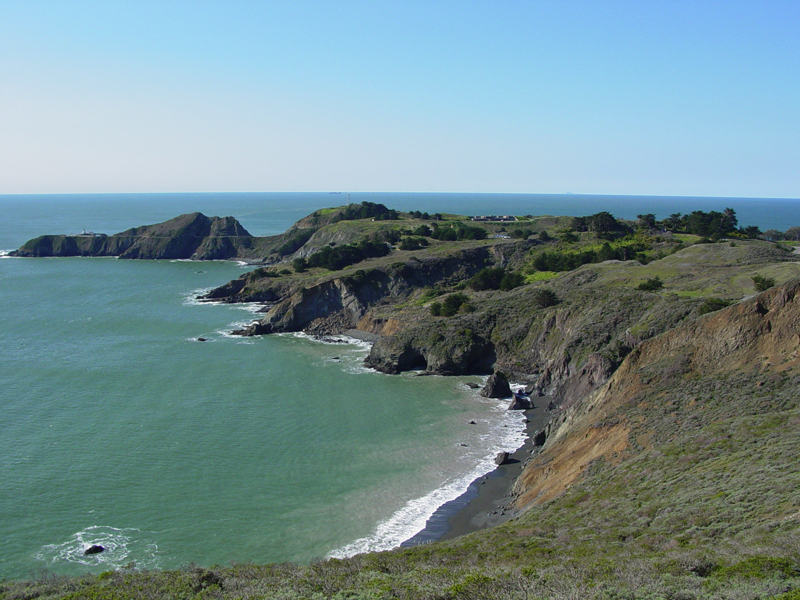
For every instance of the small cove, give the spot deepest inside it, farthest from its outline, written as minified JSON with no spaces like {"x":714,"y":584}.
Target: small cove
{"x":122,"y":428}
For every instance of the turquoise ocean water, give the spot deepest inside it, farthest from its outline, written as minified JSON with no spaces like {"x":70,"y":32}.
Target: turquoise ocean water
{"x":117,"y":427}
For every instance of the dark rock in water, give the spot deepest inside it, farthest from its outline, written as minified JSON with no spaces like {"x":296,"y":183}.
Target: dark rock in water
{"x":202,"y":339}
{"x":520,"y":403}
{"x":473,"y":422}
{"x":335,"y":358}
{"x":496,"y":387}
{"x":94,"y":549}
{"x":501,"y":458}
{"x":473,"y":386}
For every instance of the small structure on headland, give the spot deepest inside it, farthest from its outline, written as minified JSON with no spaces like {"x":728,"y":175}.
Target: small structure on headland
{"x":502,"y":218}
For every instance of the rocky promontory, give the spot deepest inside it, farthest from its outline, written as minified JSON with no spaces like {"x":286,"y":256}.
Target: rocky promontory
{"x":191,"y":236}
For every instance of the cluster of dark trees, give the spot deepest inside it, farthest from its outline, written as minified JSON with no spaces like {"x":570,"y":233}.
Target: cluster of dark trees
{"x":556,"y":260}
{"x":520,"y":233}
{"x":495,"y":278}
{"x":458,"y":231}
{"x":711,"y":224}
{"x":339,"y":257}
{"x":296,"y":242}
{"x":698,"y":222}
{"x":413,"y":243}
{"x":602,"y":222}
{"x":368,"y":210}
{"x":791,"y":234}
{"x":453,"y":304}
{"x":422,"y":230}
{"x":425,"y":216}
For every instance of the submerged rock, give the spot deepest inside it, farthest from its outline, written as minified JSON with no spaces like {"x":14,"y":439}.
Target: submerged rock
{"x":94,"y":549}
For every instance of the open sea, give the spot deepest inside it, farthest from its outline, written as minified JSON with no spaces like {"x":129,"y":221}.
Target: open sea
{"x":119,"y":428}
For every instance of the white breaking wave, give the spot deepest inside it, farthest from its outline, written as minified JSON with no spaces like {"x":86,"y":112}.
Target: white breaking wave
{"x":405,"y":523}
{"x":193,"y":299}
{"x":121,"y":548}
{"x":333,"y":340}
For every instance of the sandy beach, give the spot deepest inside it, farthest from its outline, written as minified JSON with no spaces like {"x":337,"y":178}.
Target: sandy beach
{"x":486,"y":501}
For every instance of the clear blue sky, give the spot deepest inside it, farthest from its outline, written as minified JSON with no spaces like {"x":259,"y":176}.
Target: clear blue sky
{"x":648,"y":97}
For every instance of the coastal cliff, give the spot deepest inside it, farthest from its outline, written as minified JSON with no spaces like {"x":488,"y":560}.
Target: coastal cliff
{"x":675,"y":384}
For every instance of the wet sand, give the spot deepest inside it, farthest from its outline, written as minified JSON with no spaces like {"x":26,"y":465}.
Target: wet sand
{"x":486,"y":501}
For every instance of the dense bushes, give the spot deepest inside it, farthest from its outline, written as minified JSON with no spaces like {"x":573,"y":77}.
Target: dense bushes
{"x":521,"y":233}
{"x":651,"y":285}
{"x":713,"y":304}
{"x":495,"y":279}
{"x":567,"y":260}
{"x":762,"y":284}
{"x":368,"y":210}
{"x":544,"y":297}
{"x":422,"y":230}
{"x":458,"y":231}
{"x":413,"y":243}
{"x":338,"y":257}
{"x":296,"y":242}
{"x":601,"y":222}
{"x":453,"y":304}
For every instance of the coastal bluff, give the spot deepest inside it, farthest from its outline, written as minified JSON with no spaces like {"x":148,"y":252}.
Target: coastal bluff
{"x":190,"y":236}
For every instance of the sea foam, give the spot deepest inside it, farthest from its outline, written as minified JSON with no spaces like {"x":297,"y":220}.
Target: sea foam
{"x":507,"y":434}
{"x":121,"y":548}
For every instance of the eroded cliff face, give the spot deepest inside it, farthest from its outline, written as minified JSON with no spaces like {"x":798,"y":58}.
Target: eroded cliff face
{"x":563,"y":352}
{"x":351,"y":301}
{"x":659,"y":389}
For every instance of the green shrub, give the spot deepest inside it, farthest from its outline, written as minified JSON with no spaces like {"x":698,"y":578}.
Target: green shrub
{"x":544,"y":297}
{"x":762,"y":284}
{"x":487,"y":279}
{"x":568,"y":237}
{"x":453,"y":304}
{"x":341,"y":256}
{"x":713,"y":304}
{"x":511,"y":281}
{"x":651,"y":285}
{"x":413,"y":243}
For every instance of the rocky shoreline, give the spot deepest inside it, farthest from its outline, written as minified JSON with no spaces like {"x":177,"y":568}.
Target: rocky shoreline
{"x":489,"y":499}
